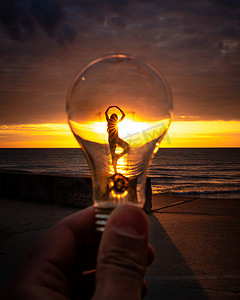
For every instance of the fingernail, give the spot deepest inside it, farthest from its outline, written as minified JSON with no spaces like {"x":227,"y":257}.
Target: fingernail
{"x":129,"y":220}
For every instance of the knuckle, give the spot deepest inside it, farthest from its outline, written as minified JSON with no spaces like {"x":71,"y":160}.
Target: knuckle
{"x":129,"y":262}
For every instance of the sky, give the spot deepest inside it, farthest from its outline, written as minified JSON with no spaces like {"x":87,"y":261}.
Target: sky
{"x":194,"y":44}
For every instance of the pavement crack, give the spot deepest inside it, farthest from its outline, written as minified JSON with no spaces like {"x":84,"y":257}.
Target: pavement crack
{"x":174,"y":204}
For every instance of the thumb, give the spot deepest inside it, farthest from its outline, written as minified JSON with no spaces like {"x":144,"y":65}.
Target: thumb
{"x":122,"y":256}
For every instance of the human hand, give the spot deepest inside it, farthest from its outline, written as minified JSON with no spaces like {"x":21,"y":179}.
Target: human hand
{"x":59,"y":266}
{"x":123,"y":256}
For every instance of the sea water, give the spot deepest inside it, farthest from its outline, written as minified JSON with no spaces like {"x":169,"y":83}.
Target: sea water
{"x":207,"y":172}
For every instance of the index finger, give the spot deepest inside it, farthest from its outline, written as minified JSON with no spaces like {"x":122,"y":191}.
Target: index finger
{"x":63,"y":243}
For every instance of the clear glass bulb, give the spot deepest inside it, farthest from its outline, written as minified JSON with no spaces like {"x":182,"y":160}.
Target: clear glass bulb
{"x":119,"y":109}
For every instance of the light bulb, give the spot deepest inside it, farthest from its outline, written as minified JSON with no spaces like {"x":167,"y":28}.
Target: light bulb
{"x":119,"y":109}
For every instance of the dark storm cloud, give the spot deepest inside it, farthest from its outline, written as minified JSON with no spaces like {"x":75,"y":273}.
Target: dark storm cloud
{"x":48,"y":14}
{"x":15,"y":20}
{"x":195,"y":44}
{"x":20,"y":19}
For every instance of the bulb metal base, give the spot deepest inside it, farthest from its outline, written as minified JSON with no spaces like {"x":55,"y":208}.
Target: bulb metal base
{"x":101,"y":217}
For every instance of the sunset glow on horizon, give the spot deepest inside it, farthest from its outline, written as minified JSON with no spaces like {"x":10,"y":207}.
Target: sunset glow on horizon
{"x":136,"y":133}
{"x":180,"y":134}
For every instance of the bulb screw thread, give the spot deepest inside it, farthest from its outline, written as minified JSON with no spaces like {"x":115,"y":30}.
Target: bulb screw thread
{"x":101,"y":217}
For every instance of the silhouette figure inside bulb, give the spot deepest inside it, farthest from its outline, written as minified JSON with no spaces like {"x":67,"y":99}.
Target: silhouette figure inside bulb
{"x":113,"y":138}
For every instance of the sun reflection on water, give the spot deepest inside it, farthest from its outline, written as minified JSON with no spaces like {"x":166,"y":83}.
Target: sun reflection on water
{"x":123,"y":163}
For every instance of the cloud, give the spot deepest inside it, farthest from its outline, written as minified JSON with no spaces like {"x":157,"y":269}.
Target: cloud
{"x":49,"y":14}
{"x":117,"y":22}
{"x":22,"y":19}
{"x":15,"y":20}
{"x":195,"y":44}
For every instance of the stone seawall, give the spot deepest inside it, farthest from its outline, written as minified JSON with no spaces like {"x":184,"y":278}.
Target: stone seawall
{"x":75,"y":191}
{"x":56,"y":189}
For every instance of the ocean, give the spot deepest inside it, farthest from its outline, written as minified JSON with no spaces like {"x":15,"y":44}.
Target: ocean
{"x":202,"y":172}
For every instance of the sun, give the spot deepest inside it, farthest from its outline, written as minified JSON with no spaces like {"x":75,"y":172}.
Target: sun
{"x":128,"y":127}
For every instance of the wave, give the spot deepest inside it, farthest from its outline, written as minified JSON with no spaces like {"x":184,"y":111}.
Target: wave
{"x":196,"y":179}
{"x":196,"y":193}
{"x":196,"y":172}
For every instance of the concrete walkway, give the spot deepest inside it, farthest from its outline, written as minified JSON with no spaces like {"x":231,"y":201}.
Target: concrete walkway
{"x":196,"y":243}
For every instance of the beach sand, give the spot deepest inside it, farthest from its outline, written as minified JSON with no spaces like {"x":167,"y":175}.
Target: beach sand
{"x":196,"y":243}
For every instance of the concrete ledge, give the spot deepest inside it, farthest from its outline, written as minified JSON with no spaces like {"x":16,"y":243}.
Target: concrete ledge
{"x":69,"y":190}
{"x":75,"y":191}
